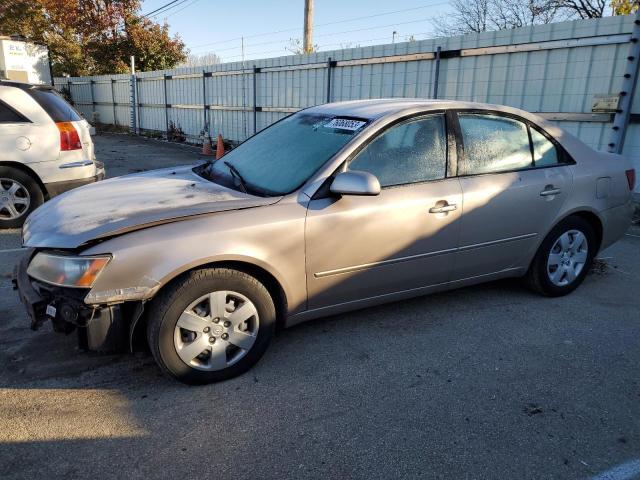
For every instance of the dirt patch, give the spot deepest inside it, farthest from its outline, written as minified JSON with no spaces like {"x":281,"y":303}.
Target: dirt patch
{"x":599,"y":267}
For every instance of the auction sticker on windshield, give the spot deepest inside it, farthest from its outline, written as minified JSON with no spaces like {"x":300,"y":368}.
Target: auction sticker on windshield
{"x":345,"y":124}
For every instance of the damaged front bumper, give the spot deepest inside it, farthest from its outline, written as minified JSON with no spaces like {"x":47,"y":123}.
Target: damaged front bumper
{"x":101,"y":328}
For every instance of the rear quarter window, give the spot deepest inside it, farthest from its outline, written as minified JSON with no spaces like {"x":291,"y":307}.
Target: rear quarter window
{"x":9,"y":115}
{"x":56,"y":106}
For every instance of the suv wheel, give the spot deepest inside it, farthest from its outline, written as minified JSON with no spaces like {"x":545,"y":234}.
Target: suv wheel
{"x":19,"y":196}
{"x":563,"y":259}
{"x":212,"y":325}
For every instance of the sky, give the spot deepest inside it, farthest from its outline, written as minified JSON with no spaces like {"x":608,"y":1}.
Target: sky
{"x":267,"y":26}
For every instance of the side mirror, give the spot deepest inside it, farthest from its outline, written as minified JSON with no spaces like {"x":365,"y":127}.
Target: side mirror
{"x":355,"y":182}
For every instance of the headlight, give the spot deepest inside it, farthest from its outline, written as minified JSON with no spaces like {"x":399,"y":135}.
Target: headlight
{"x":77,"y":272}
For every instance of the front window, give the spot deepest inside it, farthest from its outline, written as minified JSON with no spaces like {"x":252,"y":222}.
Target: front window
{"x":281,"y":158}
{"x":414,"y":151}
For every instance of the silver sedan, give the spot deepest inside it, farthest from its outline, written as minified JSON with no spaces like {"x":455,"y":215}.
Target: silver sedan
{"x":334,"y":208}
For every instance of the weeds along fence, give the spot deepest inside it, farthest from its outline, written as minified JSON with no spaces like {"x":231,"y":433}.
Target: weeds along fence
{"x":572,"y":73}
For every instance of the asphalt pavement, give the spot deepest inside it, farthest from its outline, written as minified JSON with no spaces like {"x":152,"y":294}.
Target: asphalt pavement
{"x":490,"y":381}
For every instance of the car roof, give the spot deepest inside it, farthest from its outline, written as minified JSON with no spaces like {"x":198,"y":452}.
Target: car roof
{"x":378,"y":108}
{"x":24,"y":86}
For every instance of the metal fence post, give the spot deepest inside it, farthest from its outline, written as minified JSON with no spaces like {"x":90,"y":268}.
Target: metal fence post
{"x":133,"y":98}
{"x":204,"y":100}
{"x":166,"y":105}
{"x":93,"y":101}
{"x":256,"y":109}
{"x":330,"y":65}
{"x":113,"y":102}
{"x":139,"y":124}
{"x":629,"y":82}
{"x":437,"y":73}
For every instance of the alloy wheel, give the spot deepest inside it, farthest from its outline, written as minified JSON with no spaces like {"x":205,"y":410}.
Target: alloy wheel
{"x":216,"y":330}
{"x":567,"y":257}
{"x":14,"y":199}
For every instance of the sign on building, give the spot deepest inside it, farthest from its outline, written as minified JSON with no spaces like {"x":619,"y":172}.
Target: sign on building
{"x":22,"y":61}
{"x":605,"y":103}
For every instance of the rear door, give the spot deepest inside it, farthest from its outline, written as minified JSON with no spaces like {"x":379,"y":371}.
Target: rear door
{"x":402,"y":239}
{"x":514,"y":181}
{"x":25,"y":131}
{"x":15,"y":131}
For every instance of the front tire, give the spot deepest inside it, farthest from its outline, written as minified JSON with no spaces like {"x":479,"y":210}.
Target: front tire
{"x":211,"y":325}
{"x":563,"y":259}
{"x":20,"y":195}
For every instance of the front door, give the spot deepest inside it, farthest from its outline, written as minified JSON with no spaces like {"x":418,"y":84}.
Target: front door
{"x":404,"y":238}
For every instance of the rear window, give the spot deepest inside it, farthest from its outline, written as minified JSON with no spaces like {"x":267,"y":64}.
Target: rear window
{"x":56,"y":106}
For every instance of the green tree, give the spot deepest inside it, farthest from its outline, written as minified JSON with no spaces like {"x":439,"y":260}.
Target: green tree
{"x":88,"y":37}
{"x":624,"y":7}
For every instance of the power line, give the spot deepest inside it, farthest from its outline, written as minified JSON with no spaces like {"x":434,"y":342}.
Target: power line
{"x":178,"y":11}
{"x":376,"y":28}
{"x":333,"y":33}
{"x":160,"y":8}
{"x":357,"y":44}
{"x":324,"y":24}
{"x":321,"y":35}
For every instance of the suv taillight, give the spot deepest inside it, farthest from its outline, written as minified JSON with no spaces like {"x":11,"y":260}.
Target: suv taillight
{"x":69,"y":138}
{"x":631,"y":178}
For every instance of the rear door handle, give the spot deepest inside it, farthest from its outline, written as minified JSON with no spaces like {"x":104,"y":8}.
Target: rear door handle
{"x":550,"y":191}
{"x":443,"y":208}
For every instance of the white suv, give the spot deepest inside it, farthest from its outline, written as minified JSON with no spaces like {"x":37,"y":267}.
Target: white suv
{"x":45,"y":149}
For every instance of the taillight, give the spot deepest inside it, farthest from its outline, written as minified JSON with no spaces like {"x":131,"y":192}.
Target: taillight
{"x":69,"y":138}
{"x":631,"y":178}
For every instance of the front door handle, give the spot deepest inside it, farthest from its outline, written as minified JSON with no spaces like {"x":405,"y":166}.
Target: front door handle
{"x":443,"y":208}
{"x":549,"y":190}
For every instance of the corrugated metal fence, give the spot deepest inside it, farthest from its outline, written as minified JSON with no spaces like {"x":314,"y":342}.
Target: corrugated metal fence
{"x":555,"y":70}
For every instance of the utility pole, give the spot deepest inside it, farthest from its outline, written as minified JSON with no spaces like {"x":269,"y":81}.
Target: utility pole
{"x":307,"y":45}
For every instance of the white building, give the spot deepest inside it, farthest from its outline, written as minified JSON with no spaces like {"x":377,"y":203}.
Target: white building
{"x":23,"y":61}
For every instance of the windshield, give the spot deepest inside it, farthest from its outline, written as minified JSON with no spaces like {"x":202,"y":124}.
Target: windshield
{"x":281,"y":158}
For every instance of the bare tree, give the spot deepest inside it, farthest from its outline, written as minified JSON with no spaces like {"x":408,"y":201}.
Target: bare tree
{"x":195,"y":60}
{"x":296,"y":47}
{"x":468,"y":16}
{"x":505,"y":14}
{"x":486,"y":15}
{"x":583,"y":8}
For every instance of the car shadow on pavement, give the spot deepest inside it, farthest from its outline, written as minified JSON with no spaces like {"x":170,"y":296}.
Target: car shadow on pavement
{"x":490,"y":380}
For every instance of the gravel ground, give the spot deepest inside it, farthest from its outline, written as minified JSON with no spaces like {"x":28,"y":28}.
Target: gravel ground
{"x":483,"y":382}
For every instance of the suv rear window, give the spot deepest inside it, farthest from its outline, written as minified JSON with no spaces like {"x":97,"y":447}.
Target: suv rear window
{"x":56,"y":106}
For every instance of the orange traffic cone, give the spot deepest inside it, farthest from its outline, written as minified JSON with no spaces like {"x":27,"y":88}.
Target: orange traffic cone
{"x":219,"y":147}
{"x":206,"y":146}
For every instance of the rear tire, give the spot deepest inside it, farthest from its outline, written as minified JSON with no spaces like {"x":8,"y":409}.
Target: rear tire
{"x":563,"y":259}
{"x":20,"y":195}
{"x":211,"y":325}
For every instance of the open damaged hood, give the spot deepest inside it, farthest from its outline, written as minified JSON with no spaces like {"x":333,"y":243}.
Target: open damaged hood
{"x":122,"y":204}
